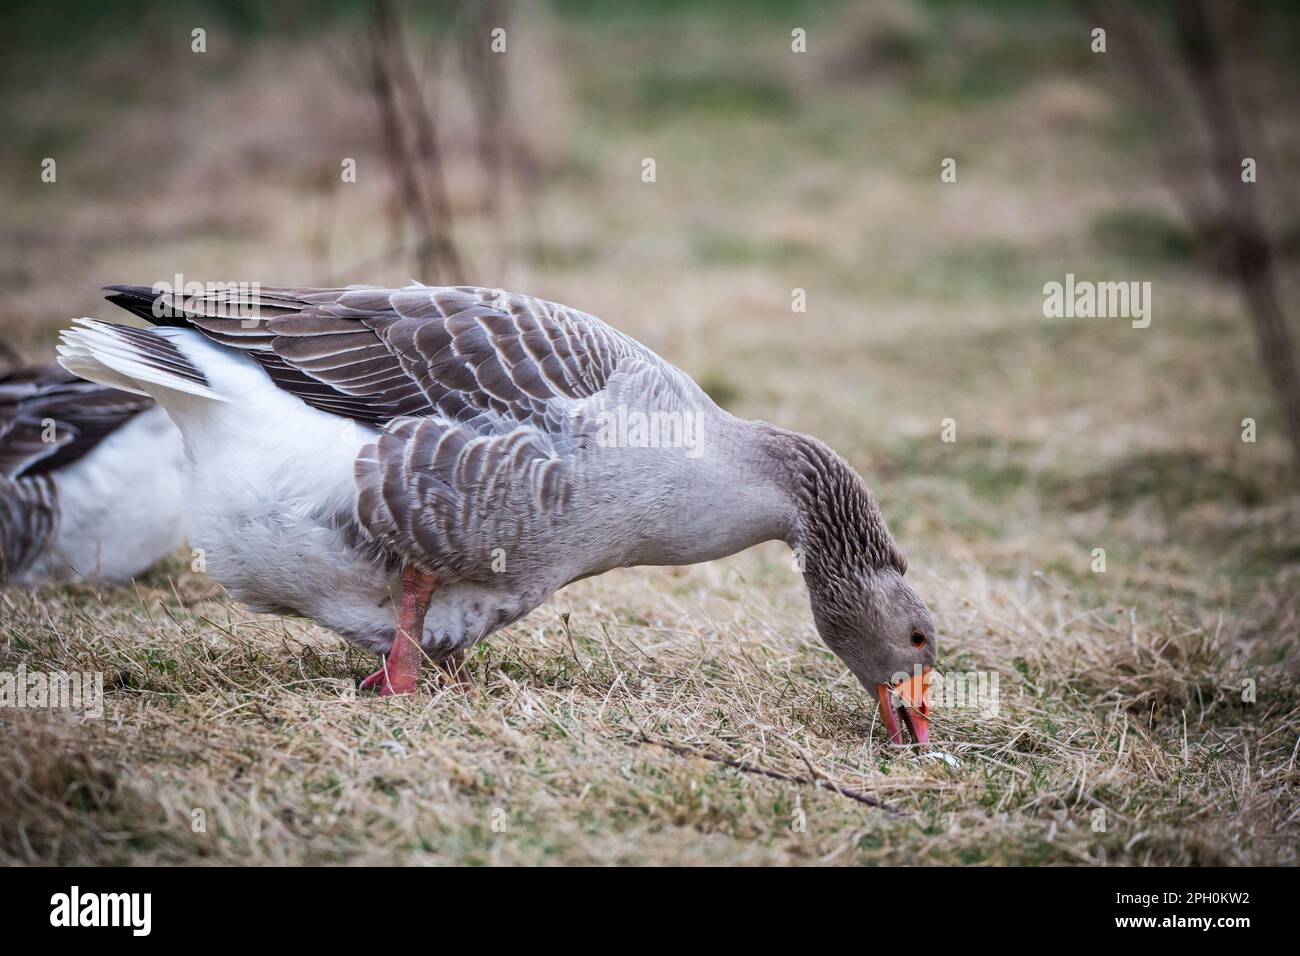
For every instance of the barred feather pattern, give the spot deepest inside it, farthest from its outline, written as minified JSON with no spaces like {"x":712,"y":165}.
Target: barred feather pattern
{"x":49,"y":420}
{"x":443,"y":493}
{"x":841,"y":532}
{"x":376,"y":355}
{"x":479,"y":394}
{"x":28,"y":517}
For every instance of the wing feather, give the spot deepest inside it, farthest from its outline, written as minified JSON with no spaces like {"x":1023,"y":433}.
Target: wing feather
{"x":378,"y":354}
{"x":483,"y":398}
{"x":49,"y":418}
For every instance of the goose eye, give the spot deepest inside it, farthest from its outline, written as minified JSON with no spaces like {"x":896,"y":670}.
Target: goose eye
{"x":918,"y":639}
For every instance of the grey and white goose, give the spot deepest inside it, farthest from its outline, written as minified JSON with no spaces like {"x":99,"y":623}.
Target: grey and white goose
{"x":430,"y":464}
{"x":89,"y":478}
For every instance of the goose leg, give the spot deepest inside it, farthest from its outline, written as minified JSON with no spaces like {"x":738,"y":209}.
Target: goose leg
{"x":402,"y":665}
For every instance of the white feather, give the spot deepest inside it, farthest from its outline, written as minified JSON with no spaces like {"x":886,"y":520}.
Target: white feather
{"x":95,"y":352}
{"x":120,"y":505}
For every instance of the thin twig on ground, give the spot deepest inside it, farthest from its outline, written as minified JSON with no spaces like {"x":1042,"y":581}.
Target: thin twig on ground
{"x":686,"y":750}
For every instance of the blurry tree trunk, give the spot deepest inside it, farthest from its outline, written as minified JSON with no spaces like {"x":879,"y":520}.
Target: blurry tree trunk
{"x":1253,"y":256}
{"x":504,"y":156}
{"x":414,"y":152}
{"x":487,"y":88}
{"x":1228,"y":213}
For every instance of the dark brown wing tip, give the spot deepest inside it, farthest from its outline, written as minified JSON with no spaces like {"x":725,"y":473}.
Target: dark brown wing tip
{"x":139,"y":300}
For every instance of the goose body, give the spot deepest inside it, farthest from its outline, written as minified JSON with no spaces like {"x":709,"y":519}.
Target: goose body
{"x":89,"y":479}
{"x":273,"y":491}
{"x":347,"y":448}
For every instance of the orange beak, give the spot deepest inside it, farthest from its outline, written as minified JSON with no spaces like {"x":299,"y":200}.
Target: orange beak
{"x":904,"y":705}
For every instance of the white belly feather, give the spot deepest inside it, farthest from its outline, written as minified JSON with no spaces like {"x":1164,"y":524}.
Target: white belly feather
{"x":120,"y":505}
{"x":270,"y":502}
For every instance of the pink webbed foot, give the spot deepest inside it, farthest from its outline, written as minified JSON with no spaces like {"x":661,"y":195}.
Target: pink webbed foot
{"x":384,"y":682}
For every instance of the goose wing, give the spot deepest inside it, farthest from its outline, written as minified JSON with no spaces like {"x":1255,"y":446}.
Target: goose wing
{"x":483,"y":396}
{"x":464,"y":354}
{"x":48,"y":420}
{"x":27,"y":519}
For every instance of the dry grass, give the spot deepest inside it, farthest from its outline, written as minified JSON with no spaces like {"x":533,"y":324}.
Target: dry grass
{"x":255,"y":721}
{"x":1120,"y":692}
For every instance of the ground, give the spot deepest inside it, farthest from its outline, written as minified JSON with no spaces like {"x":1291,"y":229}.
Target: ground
{"x":1146,"y":713}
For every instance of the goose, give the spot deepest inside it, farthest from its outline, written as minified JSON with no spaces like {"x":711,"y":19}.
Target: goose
{"x":89,"y":478}
{"x":415,"y":468}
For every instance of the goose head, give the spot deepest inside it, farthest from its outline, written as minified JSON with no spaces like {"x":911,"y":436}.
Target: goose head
{"x":863,"y":608}
{"x":883,"y":632}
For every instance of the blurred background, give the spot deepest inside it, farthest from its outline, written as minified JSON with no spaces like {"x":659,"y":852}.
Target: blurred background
{"x":775,"y":170}
{"x":780,"y":173}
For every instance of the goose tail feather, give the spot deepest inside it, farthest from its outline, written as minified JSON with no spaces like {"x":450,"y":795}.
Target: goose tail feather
{"x":134,"y":360}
